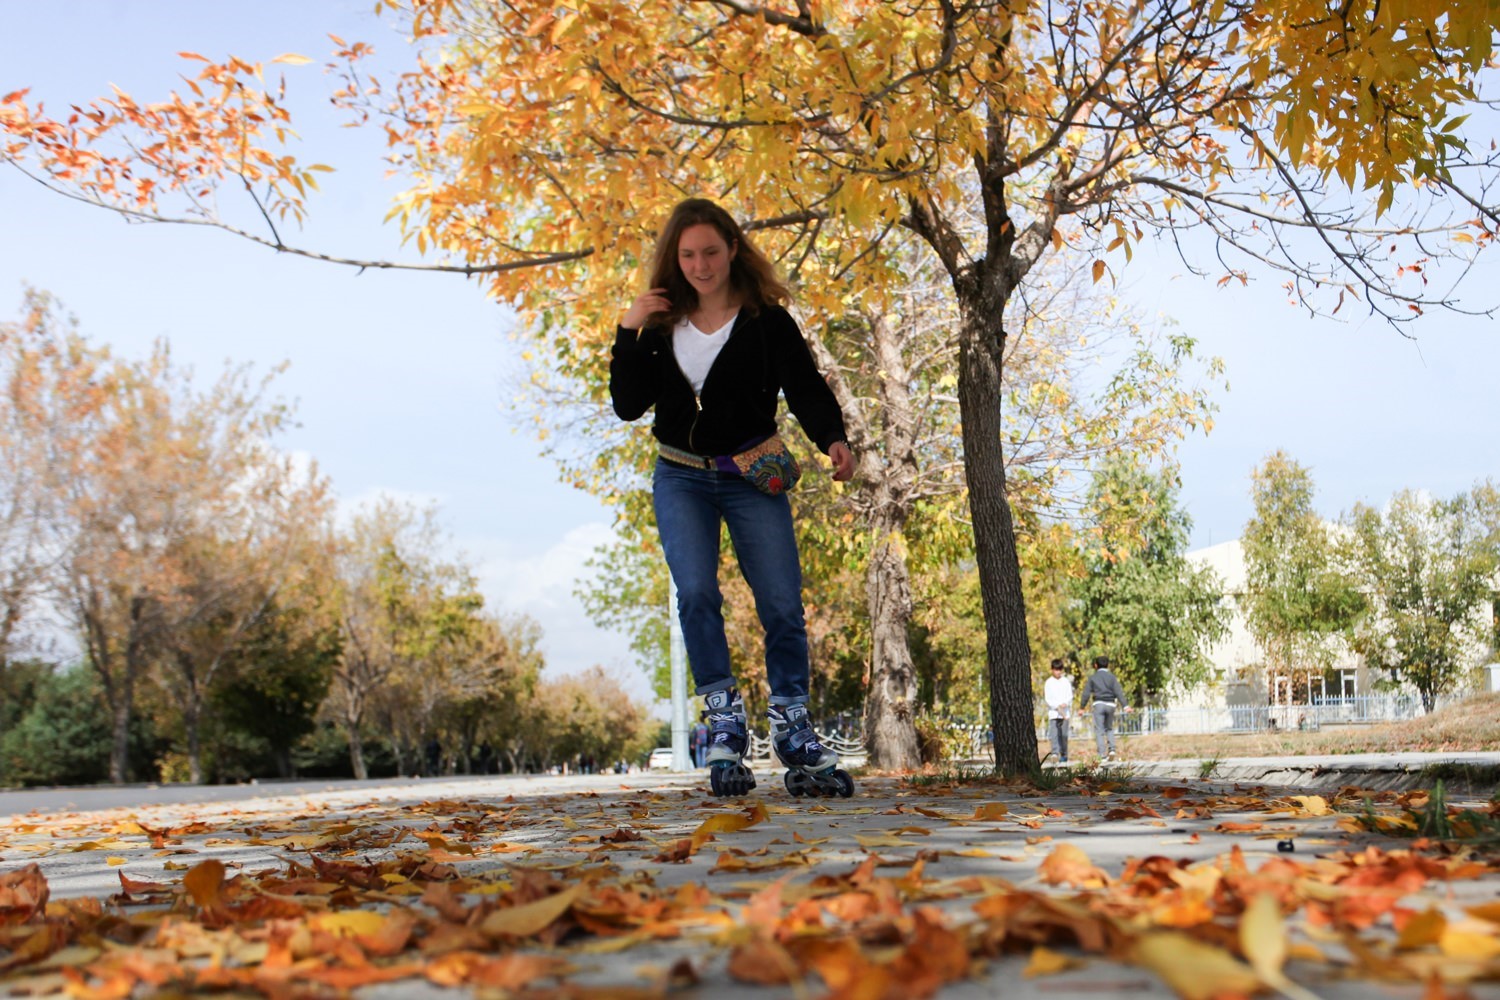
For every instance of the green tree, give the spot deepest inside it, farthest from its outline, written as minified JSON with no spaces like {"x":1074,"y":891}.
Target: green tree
{"x":1427,"y":571}
{"x":273,"y":684}
{"x":399,"y":603}
{"x":1298,"y":604}
{"x":64,"y":737}
{"x":1140,"y":601}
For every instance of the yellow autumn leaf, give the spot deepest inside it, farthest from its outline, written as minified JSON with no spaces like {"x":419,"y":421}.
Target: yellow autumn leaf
{"x":114,"y":859}
{"x":1263,"y":936}
{"x":301,"y":842}
{"x":1486,"y":911}
{"x":292,"y":58}
{"x":350,"y":923}
{"x":1313,"y":805}
{"x":1469,"y":940}
{"x":1424,"y":929}
{"x":729,"y":823}
{"x":992,"y":811}
{"x":875,"y":840}
{"x":1197,"y":971}
{"x":530,"y":918}
{"x":1046,"y":962}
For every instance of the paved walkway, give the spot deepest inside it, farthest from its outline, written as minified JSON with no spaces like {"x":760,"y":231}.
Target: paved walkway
{"x":896,"y":881}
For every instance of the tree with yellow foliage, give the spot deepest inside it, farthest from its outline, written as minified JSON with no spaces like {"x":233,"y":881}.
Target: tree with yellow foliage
{"x":1325,"y":141}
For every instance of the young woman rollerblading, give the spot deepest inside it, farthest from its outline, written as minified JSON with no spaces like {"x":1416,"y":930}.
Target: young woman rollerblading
{"x":710,"y":346}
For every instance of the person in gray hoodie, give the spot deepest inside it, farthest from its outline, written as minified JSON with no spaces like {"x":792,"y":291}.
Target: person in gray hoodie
{"x":1104,"y":691}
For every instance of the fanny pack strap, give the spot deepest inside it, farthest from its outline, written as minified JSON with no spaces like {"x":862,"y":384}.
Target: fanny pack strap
{"x":685,"y":457}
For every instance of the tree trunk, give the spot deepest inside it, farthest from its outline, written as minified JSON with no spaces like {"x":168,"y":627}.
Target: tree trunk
{"x":119,"y":748}
{"x":192,"y":711}
{"x":190,"y":720}
{"x":1008,"y":649}
{"x":357,"y":752}
{"x":890,"y":703}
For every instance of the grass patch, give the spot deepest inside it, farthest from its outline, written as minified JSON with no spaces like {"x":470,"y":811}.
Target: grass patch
{"x":1471,"y":725}
{"x":1459,"y":773}
{"x":1072,"y":779}
{"x":953,"y":774}
{"x":1431,"y":816}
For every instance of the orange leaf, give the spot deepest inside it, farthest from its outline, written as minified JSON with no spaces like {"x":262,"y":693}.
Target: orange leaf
{"x":762,"y":961}
{"x":1068,"y":865}
{"x":205,"y":882}
{"x":1486,"y":911}
{"x":992,"y":811}
{"x":510,"y":972}
{"x":131,"y":885}
{"x":23,"y":894}
{"x":1424,"y":929}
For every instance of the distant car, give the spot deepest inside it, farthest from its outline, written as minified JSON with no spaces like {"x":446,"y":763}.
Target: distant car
{"x":660,"y":759}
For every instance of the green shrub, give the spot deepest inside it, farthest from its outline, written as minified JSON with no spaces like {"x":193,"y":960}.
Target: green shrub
{"x":63,"y":736}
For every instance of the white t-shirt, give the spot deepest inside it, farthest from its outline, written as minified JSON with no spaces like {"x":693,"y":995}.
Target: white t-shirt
{"x":1058,"y":691}
{"x":696,"y":350}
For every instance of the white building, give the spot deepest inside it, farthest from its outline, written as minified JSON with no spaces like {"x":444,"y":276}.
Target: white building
{"x":1242,"y":679}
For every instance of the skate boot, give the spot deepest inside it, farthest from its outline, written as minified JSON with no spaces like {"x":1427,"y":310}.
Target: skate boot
{"x":812,"y":768}
{"x":728,"y":739}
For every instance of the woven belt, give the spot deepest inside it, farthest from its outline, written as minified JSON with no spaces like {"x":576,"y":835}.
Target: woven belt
{"x":687,"y":458}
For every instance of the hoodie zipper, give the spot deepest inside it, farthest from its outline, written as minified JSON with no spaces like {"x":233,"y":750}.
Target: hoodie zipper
{"x":697,"y":403}
{"x":697,"y":412}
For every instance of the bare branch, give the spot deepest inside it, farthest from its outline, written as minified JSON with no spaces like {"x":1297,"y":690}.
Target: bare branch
{"x":539,"y":260}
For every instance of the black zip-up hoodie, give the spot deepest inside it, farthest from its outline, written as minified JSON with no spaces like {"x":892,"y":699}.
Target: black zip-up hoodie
{"x":764,"y":355}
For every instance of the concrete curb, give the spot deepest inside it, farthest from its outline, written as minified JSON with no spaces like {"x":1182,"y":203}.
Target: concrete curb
{"x":1462,"y":773}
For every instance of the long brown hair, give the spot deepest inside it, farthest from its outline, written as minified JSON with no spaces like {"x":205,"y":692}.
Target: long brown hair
{"x":751,"y":275}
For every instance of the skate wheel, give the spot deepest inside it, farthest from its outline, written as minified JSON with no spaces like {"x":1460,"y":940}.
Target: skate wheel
{"x":799,"y":784}
{"x":844,"y":783}
{"x":730,"y":779}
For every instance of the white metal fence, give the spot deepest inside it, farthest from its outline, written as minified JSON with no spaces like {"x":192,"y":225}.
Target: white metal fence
{"x":851,"y":750}
{"x":1320,"y":712}
{"x":974,"y":741}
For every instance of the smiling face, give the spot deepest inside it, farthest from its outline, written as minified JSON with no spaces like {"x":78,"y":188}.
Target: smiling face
{"x":704,"y":258}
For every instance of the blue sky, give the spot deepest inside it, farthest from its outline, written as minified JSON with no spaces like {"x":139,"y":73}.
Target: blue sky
{"x":401,"y":378}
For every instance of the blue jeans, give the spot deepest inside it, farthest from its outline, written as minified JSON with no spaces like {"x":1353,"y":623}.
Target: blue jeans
{"x":690,"y":506}
{"x":1057,"y":735}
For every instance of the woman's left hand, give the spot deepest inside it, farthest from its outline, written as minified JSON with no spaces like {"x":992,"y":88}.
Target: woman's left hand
{"x":843,"y":461}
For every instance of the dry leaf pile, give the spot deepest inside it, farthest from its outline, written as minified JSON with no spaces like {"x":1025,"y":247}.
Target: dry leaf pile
{"x":641,"y":891}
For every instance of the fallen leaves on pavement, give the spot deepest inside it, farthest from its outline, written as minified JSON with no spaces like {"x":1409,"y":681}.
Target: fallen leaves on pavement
{"x":535,"y":894}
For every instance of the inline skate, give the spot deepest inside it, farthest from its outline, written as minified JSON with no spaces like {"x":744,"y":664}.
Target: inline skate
{"x":728,"y":739}
{"x":812,"y":768}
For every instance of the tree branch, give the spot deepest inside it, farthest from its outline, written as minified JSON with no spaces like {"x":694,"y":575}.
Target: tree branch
{"x":540,"y":260}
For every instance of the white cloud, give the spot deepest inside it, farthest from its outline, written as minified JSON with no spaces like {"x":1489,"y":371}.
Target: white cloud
{"x":348,"y":508}
{"x":541,"y":584}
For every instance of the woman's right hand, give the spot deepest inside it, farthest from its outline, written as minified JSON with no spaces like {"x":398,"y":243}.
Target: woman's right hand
{"x":646,"y":305}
